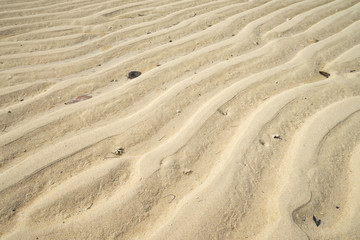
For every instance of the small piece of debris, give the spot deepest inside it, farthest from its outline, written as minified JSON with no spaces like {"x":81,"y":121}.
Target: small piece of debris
{"x":256,"y":43}
{"x":262,"y":142}
{"x":187,"y":171}
{"x":78,"y":99}
{"x":178,"y":111}
{"x":133,"y":74}
{"x":337,"y":207}
{"x":313,"y":40}
{"x":21,"y":100}
{"x":277,"y":136}
{"x":14,"y":210}
{"x":352,"y":70}
{"x":9,"y":111}
{"x":317,"y":221}
{"x":89,"y":206}
{"x":325,"y":74}
{"x":170,"y":40}
{"x":119,"y":151}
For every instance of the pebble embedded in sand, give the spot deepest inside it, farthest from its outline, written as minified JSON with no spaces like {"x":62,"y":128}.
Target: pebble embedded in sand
{"x":133,"y":74}
{"x":276,"y":136}
{"x":262,"y":142}
{"x":187,"y":171}
{"x":178,"y":111}
{"x":119,"y":151}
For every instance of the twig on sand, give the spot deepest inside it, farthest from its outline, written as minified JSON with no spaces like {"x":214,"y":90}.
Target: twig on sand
{"x":90,"y":206}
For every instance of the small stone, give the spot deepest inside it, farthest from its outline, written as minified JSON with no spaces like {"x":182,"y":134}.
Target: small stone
{"x":119,"y":151}
{"x":262,"y":142}
{"x":178,"y":111}
{"x":133,"y":74}
{"x":21,"y":100}
{"x":9,"y":111}
{"x":276,"y":136}
{"x":256,"y":43}
{"x":352,"y":71}
{"x":187,"y":171}
{"x":170,"y":40}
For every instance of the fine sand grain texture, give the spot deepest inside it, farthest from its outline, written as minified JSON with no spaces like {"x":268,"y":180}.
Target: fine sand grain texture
{"x":180,"y":119}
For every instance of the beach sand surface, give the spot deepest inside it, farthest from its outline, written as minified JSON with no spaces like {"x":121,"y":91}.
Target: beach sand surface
{"x":244,"y":122}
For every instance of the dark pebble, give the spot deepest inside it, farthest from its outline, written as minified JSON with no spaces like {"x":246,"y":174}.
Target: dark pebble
{"x":134,"y":74}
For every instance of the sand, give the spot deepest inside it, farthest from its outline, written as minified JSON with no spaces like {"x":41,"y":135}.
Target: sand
{"x":230,"y":131}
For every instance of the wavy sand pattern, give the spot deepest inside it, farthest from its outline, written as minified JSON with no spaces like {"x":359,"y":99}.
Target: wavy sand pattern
{"x":230,"y":132}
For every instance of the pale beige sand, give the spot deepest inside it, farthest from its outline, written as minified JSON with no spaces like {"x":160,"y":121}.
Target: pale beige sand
{"x":219,"y":80}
